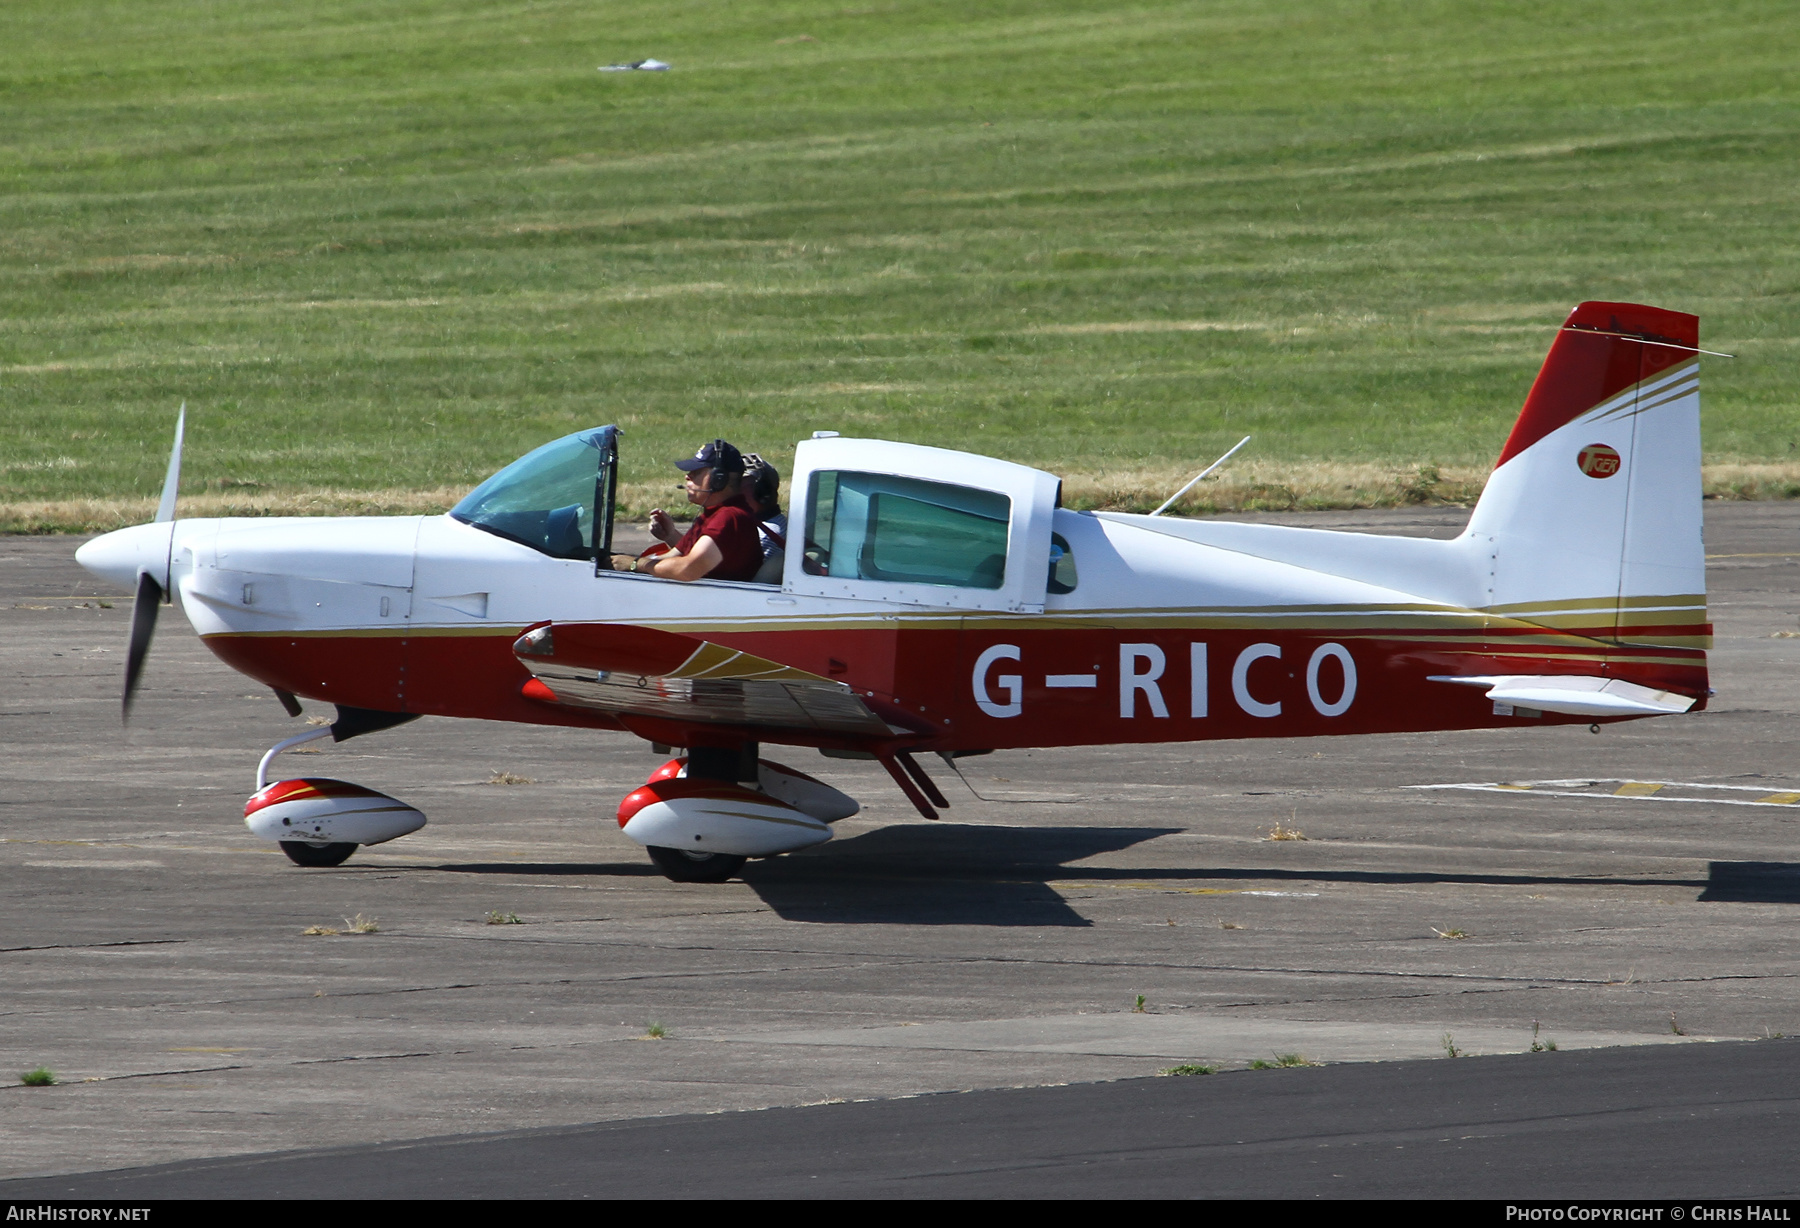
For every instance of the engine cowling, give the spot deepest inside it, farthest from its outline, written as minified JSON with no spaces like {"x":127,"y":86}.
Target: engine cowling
{"x":804,"y":793}
{"x":321,"y":811}
{"x":711,"y":816}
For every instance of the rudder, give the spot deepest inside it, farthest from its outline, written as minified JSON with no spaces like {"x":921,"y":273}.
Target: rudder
{"x":1592,"y":516}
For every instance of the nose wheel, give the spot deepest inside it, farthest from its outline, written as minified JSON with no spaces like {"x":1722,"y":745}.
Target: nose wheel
{"x":681,"y":866}
{"x":317,"y":855}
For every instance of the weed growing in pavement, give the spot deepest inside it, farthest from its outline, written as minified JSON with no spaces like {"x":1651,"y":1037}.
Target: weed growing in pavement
{"x":1537,"y":1046}
{"x":1282,"y":1061}
{"x":1449,"y":933}
{"x":1278,"y":832}
{"x":497,"y":917}
{"x":1139,"y":1008}
{"x":1230,"y":925}
{"x":1186,"y":1070}
{"x":1450,"y":1049}
{"x":360,"y":924}
{"x":41,"y":1077}
{"x":509,"y":778}
{"x":1675,"y":1027}
{"x":320,"y":931}
{"x":655,"y":1031}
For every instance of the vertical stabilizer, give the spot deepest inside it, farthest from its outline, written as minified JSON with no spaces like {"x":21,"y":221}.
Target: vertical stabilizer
{"x":1592,"y":516}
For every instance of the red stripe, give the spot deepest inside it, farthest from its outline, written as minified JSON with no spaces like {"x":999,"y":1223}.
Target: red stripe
{"x":683,"y":787}
{"x":295,"y":790}
{"x":1586,"y":366}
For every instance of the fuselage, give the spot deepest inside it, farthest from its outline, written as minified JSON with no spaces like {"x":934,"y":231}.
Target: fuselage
{"x":1164,"y":636}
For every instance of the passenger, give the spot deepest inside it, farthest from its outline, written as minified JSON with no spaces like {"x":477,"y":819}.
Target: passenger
{"x":762,"y":483}
{"x":722,"y":543}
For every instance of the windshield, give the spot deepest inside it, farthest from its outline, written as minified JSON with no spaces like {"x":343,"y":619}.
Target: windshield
{"x":547,"y":498}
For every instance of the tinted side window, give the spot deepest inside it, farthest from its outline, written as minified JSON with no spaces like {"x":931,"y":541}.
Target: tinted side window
{"x":873,"y":527}
{"x":1062,"y":566}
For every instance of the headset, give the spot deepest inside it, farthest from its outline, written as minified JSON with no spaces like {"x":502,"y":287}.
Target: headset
{"x":720,"y":476}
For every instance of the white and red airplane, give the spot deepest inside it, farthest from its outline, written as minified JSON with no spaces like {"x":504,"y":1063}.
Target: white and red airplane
{"x":944,"y":602}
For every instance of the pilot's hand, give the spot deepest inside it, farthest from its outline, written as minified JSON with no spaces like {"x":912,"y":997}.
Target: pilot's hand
{"x":662,"y":527}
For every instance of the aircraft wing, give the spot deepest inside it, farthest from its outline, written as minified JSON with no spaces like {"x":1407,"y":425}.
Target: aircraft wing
{"x":626,"y":670}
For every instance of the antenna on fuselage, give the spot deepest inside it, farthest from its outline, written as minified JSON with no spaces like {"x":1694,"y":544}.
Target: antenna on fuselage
{"x":1171,"y":499}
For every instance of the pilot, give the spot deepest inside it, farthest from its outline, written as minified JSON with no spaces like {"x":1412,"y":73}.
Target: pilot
{"x":723,"y":542}
{"x":762,"y":491}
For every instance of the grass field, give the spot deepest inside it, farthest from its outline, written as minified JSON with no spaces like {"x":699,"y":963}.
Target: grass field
{"x":382,"y":247}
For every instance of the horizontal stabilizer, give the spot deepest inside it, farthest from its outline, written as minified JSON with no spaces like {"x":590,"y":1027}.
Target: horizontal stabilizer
{"x":1577,"y":696}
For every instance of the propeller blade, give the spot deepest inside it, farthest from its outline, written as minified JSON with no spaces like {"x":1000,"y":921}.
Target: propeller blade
{"x":165,"y":507}
{"x":143,"y":626}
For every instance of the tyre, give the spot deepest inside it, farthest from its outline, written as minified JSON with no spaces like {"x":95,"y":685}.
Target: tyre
{"x":303,"y":854}
{"x":681,"y":866}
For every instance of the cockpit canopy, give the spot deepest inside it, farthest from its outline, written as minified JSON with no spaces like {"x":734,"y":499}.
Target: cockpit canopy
{"x":552,"y":498}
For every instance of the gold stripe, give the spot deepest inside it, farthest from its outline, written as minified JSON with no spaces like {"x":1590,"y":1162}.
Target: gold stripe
{"x":1674,"y":601}
{"x":487,"y":630}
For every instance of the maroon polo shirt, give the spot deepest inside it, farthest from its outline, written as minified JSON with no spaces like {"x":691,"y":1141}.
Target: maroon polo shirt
{"x":732,"y":526}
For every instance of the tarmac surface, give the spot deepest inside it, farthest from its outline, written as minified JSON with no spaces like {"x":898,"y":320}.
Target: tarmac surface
{"x":154,"y":954}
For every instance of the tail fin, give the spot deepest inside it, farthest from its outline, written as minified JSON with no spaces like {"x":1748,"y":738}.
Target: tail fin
{"x":1593,"y":514}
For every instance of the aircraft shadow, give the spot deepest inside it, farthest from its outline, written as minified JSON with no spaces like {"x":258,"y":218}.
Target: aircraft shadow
{"x":961,"y":874}
{"x":1753,"y":882}
{"x":941,"y":874}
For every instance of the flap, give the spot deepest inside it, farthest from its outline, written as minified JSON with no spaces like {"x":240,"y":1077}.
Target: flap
{"x":622,"y":669}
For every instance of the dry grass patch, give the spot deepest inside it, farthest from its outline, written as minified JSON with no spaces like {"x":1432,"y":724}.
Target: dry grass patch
{"x":1734,"y":480}
{"x":1273,"y":486}
{"x":1244,"y":486}
{"x":104,"y":515}
{"x":359,"y":924}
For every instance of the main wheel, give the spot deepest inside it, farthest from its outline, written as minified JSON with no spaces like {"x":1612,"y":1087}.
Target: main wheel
{"x":681,"y":866}
{"x":303,"y":854}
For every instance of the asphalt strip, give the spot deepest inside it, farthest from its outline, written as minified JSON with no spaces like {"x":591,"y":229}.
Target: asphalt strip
{"x":1695,"y":1121}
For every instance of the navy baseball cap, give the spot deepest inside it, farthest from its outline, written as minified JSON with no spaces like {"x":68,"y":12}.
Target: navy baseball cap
{"x":716,"y":455}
